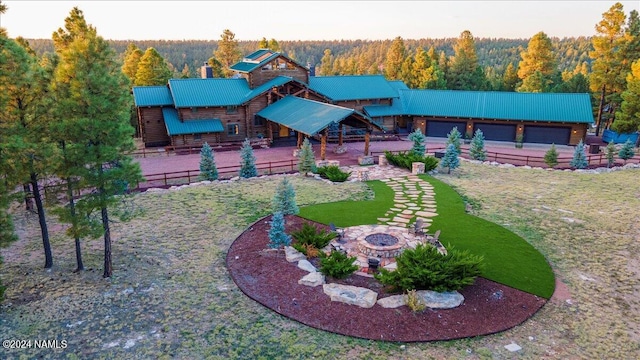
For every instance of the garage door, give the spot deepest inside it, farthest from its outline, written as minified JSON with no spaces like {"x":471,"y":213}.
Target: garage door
{"x":497,"y":132}
{"x":547,"y":134}
{"x":443,"y":128}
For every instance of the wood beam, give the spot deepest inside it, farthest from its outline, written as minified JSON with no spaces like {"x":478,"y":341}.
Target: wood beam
{"x":323,"y":144}
{"x":367,"y":135}
{"x":300,"y":139}
{"x":340,"y":138}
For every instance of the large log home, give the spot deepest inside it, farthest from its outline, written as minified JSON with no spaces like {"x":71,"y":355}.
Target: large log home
{"x":188,"y":112}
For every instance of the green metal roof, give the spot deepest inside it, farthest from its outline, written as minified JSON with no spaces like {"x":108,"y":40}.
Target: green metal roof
{"x":258,"y":59}
{"x":353,"y":87}
{"x":303,"y":115}
{"x":152,"y":96}
{"x":384,"y":110}
{"x":278,"y":81}
{"x":177,"y":127}
{"x":398,"y":84}
{"x":551,"y":107}
{"x":208,"y":92}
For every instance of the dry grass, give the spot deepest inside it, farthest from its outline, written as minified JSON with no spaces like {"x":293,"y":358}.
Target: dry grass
{"x":171,"y":295}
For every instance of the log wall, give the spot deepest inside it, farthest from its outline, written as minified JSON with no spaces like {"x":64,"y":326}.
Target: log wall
{"x":152,"y":127}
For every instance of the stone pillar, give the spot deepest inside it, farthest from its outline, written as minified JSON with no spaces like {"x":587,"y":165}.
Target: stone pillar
{"x":382,"y":160}
{"x":417,"y":168}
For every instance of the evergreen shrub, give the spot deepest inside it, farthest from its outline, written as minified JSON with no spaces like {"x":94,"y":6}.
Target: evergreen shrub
{"x":310,"y":235}
{"x":626,"y":152}
{"x":333,"y":173}
{"x":277,"y":237}
{"x":337,"y":265}
{"x":551,"y":156}
{"x":405,"y":159}
{"x":424,"y":268}
{"x":285,"y":199}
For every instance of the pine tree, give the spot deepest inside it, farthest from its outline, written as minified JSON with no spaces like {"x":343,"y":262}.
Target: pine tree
{"x":247,"y":161}
{"x":551,"y":156}
{"x":538,"y":61}
{"x":610,"y":153}
{"x":454,"y":138}
{"x":216,"y":67}
{"x":464,"y":72}
{"x":152,"y":69}
{"x":277,"y":237}
{"x":94,"y":124}
{"x":132,"y":56}
{"x":326,"y":63}
{"x":579,"y":160}
{"x":208,"y":169}
{"x":627,"y":151}
{"x":228,"y":52}
{"x":396,"y":55}
{"x":306,"y":158}
{"x":510,"y":78}
{"x":450,"y":159}
{"x":284,"y":200}
{"x":418,"y":139}
{"x":477,"y":150}
{"x":628,"y":117}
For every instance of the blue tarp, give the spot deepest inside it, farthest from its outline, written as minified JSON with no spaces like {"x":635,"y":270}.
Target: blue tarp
{"x":617,"y":138}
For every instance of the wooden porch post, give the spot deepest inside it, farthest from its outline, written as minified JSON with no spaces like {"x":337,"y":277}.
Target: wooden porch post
{"x":366,"y":143}
{"x":300,"y":139}
{"x":323,"y":144}
{"x":269,"y":130}
{"x":340,"y":135}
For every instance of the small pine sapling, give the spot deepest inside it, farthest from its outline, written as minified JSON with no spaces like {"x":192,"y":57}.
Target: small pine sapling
{"x":418,"y":139}
{"x":579,"y":160}
{"x":626,"y":152}
{"x":247,"y":161}
{"x":551,"y":156}
{"x":476,"y":150}
{"x":450,"y":159}
{"x":610,"y":152}
{"x":453,"y":138}
{"x":306,"y":158}
{"x":277,"y":237}
{"x":284,"y":200}
{"x":208,"y":169}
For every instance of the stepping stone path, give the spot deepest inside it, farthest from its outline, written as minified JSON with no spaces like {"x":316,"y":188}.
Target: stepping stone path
{"x":414,"y":199}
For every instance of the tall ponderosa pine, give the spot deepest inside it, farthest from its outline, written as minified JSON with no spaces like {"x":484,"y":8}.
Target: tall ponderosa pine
{"x":326,"y":63}
{"x":247,"y":161}
{"x":228,"y":52}
{"x":476,"y":149}
{"x":538,"y":65}
{"x":216,"y":67}
{"x":510,"y":79}
{"x":284,"y":200}
{"x":579,"y":160}
{"x":396,"y":56}
{"x":277,"y":237}
{"x":208,"y":169}
{"x":306,"y":158}
{"x":92,"y":104}
{"x":132,"y":56}
{"x":626,"y":151}
{"x":464,"y":72}
{"x":628,"y":117}
{"x":551,"y":156}
{"x":454,"y":138}
{"x":29,"y":155}
{"x":152,"y":69}
{"x":607,"y":75}
{"x":450,"y":159}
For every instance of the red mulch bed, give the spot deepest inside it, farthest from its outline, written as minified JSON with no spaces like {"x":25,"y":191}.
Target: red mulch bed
{"x":266,"y":277}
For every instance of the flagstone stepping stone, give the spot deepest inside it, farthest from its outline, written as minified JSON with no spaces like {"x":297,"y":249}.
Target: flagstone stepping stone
{"x":395,"y":209}
{"x":383,"y":219}
{"x":351,"y":295}
{"x":407,"y":216}
{"x":400,"y":206}
{"x":399,"y":219}
{"x":426,"y":214}
{"x":407,"y":212}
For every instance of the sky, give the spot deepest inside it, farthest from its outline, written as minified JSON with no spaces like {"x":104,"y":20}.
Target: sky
{"x":311,"y":20}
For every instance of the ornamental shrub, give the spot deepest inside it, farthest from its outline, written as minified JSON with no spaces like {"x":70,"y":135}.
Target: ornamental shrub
{"x":208,"y":169}
{"x":247,"y":161}
{"x":277,"y":237}
{"x":579,"y":160}
{"x":306,"y":158}
{"x":418,"y":139}
{"x":450,"y":159}
{"x":404,"y":160}
{"x":626,"y":152}
{"x":337,"y":265}
{"x":310,"y":235}
{"x":551,"y":156}
{"x":453,"y":137}
{"x":284,"y":200}
{"x":333,"y":173}
{"x":424,"y":268}
{"x":476,"y":150}
{"x":610,"y":152}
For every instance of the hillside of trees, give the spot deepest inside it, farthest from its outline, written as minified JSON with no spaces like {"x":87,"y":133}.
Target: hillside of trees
{"x":494,"y":53}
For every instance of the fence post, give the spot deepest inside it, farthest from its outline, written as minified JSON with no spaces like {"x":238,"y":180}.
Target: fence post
{"x":165,"y":179}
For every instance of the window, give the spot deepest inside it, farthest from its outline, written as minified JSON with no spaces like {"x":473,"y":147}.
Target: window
{"x":194,"y":110}
{"x":233,"y":129}
{"x":375,"y":101}
{"x":232,"y":109}
{"x":197,"y":137}
{"x":258,"y":120}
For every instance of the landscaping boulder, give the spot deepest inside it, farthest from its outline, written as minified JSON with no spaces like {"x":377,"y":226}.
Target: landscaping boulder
{"x":293,"y":255}
{"x":306,"y":266}
{"x":351,"y":295}
{"x":392,"y":302}
{"x":444,"y":300}
{"x":312,"y":279}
